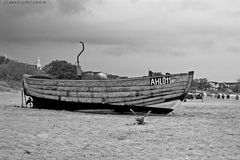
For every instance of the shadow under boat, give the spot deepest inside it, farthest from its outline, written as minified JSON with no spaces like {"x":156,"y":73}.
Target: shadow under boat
{"x":41,"y":103}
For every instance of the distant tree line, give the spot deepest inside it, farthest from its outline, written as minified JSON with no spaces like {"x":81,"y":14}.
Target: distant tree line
{"x":12,"y":70}
{"x":4,"y":60}
{"x":201,"y":84}
{"x":204,"y":84}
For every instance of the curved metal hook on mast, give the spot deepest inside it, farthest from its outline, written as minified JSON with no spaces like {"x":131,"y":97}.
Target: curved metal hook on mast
{"x":80,"y":52}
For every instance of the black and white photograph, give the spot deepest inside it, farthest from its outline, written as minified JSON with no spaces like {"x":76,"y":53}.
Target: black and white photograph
{"x":120,"y":79}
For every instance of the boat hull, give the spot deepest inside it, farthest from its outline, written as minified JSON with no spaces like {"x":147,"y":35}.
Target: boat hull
{"x":163,"y":108}
{"x":143,"y":93}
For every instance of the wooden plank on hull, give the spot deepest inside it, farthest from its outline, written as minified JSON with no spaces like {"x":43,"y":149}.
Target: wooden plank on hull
{"x":189,"y":83}
{"x":143,"y":81}
{"x":106,"y":94}
{"x":170,"y":104}
{"x":79,"y":83}
{"x":35,"y":94}
{"x":67,"y":99}
{"x":150,"y":101}
{"x":106,"y":89}
{"x":159,"y":101}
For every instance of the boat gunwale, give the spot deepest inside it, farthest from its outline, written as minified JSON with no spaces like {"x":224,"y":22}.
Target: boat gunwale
{"x":31,"y":77}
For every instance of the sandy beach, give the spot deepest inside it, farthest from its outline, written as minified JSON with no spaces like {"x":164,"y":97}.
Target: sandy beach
{"x":196,"y":130}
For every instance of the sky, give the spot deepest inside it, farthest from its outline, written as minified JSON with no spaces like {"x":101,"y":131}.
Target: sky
{"x":127,"y":37}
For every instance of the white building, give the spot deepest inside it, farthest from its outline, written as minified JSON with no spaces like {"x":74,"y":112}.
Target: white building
{"x":5,"y":55}
{"x":38,"y":64}
{"x":214,"y":86}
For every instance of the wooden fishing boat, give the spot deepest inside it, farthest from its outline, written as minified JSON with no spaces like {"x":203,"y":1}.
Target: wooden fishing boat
{"x":159,"y":94}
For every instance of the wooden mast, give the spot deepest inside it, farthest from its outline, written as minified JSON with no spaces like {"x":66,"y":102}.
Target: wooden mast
{"x":79,"y":70}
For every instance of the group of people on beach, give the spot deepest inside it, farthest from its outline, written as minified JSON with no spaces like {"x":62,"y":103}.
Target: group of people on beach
{"x":213,"y":95}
